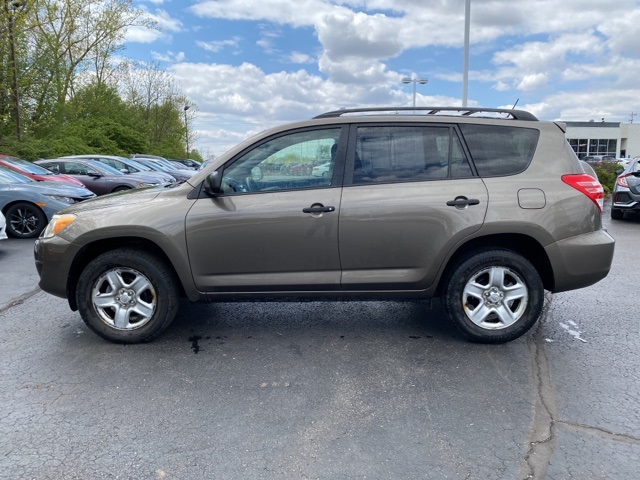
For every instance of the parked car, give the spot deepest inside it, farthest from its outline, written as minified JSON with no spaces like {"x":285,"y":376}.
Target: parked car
{"x":192,"y":164}
{"x":624,"y":162}
{"x":127,"y":166}
{"x":28,"y":205}
{"x":98,"y":177}
{"x":163,"y":165}
{"x":323,"y":170}
{"x":600,"y":159}
{"x":3,"y":227}
{"x":487,"y":212}
{"x":626,"y":191}
{"x":36,"y":172}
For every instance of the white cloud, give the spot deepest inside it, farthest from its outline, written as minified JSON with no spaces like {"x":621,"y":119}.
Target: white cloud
{"x":169,"y":56}
{"x":301,"y":58}
{"x":217,"y":45}
{"x":570,"y":59}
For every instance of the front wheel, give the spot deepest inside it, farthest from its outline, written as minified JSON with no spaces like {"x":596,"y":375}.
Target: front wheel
{"x":127,"y":295}
{"x":25,"y":220}
{"x":494,"y":296}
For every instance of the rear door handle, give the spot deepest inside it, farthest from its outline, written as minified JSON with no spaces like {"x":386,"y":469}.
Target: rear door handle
{"x":318,"y":208}
{"x":463,"y":202}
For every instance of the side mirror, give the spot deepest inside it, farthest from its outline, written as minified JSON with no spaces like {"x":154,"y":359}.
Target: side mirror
{"x":125,"y":170}
{"x":213,"y":184}
{"x":94,"y":174}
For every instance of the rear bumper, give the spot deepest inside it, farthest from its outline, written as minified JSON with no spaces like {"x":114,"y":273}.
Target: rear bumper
{"x":581,"y":261}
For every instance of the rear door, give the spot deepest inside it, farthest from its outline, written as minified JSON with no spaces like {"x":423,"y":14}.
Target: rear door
{"x":275,"y":225}
{"x":410,"y":196}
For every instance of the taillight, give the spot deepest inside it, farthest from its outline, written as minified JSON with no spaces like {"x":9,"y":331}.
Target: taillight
{"x":622,"y":180}
{"x":588,"y":185}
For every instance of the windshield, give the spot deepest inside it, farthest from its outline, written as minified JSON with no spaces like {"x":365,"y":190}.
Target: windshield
{"x":138,"y":165}
{"x":104,"y":168}
{"x":27,"y":166}
{"x":153,"y":165}
{"x":9,"y":176}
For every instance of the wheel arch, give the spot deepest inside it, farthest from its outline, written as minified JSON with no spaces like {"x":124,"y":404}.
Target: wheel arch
{"x":92,"y":250}
{"x":524,"y":245}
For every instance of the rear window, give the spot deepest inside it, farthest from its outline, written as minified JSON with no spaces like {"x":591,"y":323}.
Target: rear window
{"x":498,"y":151}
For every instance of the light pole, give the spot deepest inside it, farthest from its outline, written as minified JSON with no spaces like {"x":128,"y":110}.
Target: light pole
{"x":465,"y":74}
{"x":415,"y":82}
{"x":186,"y":128}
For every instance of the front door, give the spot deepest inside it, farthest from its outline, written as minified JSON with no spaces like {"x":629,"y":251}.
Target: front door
{"x":274,"y":227}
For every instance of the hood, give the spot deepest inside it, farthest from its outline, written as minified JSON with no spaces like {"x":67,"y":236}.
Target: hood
{"x":126,"y":197}
{"x":76,"y":191}
{"x":49,"y":188}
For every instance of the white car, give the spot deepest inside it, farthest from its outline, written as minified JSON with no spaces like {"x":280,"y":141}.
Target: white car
{"x":323,"y":170}
{"x":624,"y":162}
{"x":3,"y":224}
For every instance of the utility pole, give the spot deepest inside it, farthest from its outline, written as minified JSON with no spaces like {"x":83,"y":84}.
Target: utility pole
{"x":633,"y":114}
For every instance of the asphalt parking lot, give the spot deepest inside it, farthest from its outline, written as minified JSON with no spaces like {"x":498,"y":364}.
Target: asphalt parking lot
{"x":375,"y":390}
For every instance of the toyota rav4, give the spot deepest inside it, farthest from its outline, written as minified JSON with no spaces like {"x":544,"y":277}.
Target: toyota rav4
{"x":485,"y":208}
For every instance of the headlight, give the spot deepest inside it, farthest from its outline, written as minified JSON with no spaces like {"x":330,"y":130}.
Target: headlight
{"x":57,"y":223}
{"x":143,"y":184}
{"x":62,"y":198}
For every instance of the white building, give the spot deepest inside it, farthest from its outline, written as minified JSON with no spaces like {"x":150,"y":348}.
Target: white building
{"x":604,"y":138}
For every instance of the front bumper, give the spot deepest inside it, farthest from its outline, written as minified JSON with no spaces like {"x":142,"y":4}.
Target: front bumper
{"x":54,"y":257}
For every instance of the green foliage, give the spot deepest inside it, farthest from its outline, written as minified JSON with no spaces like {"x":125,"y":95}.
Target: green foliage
{"x":72,"y":99}
{"x":607,"y":173}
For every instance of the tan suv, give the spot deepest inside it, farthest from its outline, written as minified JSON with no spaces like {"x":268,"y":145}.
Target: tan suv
{"x":486,"y":208}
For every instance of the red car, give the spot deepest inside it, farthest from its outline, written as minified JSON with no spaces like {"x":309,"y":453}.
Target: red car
{"x":36,"y":172}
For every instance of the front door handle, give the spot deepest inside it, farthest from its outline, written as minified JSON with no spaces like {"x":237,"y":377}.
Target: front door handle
{"x":318,"y":208}
{"x":463,"y":202}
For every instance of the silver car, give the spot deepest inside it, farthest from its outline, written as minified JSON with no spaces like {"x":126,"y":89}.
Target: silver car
{"x":626,"y":191}
{"x":484,"y":208}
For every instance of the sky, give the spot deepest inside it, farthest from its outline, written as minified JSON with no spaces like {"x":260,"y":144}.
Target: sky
{"x":248,"y":65}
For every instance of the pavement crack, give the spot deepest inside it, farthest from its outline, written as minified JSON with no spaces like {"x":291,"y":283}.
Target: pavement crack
{"x":542,"y":431}
{"x":617,"y":437}
{"x":20,"y":300}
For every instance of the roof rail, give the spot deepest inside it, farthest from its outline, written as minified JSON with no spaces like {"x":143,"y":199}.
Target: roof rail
{"x":461,"y":111}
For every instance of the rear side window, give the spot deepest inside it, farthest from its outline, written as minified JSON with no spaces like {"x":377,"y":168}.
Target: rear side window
{"x":498,"y":151}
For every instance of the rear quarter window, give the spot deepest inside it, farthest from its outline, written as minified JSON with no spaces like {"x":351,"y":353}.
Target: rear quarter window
{"x":497,"y":150}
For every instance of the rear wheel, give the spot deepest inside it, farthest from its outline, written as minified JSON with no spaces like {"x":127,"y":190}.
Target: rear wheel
{"x":25,"y":220}
{"x":617,"y":214}
{"x":127,"y":296}
{"x":494,"y":296}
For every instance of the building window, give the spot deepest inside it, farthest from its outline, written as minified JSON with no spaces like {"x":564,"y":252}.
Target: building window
{"x":596,"y":146}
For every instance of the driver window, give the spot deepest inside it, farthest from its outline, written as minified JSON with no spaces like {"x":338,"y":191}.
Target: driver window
{"x":293,"y":161}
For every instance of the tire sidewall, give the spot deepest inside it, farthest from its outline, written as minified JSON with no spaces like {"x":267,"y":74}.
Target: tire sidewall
{"x":156,"y":271}
{"x":467,"y":268}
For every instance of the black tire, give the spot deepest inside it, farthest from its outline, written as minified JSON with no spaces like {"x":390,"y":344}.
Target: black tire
{"x":120,"y":189}
{"x":476,"y":291}
{"x":122,"y":314}
{"x":617,"y":214}
{"x":25,"y":220}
